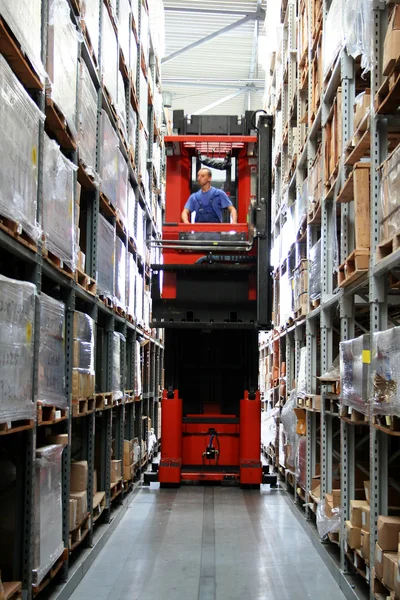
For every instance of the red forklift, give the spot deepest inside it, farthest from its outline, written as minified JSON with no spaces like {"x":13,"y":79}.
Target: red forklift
{"x":212,"y":293}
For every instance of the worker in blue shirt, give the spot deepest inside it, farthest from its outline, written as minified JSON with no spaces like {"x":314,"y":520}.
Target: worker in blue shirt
{"x":208,"y":203}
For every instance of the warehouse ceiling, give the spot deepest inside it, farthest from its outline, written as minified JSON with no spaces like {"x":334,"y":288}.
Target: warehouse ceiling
{"x":211,"y":55}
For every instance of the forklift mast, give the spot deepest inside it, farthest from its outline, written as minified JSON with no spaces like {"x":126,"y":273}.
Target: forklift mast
{"x":212,"y":293}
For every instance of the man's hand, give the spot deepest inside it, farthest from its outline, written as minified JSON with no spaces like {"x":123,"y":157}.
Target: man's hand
{"x":185,"y":216}
{"x":233,"y":213}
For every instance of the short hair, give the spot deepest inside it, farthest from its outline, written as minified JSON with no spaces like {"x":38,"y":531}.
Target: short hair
{"x":205,"y":169}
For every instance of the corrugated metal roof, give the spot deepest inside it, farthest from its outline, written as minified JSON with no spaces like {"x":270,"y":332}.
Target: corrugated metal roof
{"x":223,"y":63}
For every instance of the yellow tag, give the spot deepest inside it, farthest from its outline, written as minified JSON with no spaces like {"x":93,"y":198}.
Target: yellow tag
{"x":388,"y":420}
{"x":28,"y":332}
{"x":34,"y":156}
{"x":71,"y":206}
{"x":366,"y":357}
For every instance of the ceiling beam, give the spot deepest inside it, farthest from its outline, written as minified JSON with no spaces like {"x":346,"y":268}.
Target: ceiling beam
{"x":207,"y":38}
{"x":257,"y":86}
{"x":212,"y":11}
{"x":220,"y":101}
{"x":254,"y":51}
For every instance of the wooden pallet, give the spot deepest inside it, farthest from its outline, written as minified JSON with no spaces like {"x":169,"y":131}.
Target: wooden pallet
{"x":388,"y":424}
{"x":314,"y":213}
{"x":106,"y":301}
{"x":379,"y":590}
{"x":122,"y":65}
{"x":354,"y":267}
{"x":387,"y":99}
{"x":353,"y":416}
{"x":15,"y":426}
{"x":77,"y":535}
{"x":85,"y":178}
{"x":82,"y":407}
{"x":119,"y":311}
{"x":19,"y":62}
{"x":15,"y":230}
{"x":103,"y":401}
{"x":315,"y":303}
{"x":85,"y":282}
{"x":107,"y":208}
{"x":56,"y":125}
{"x":12,"y":590}
{"x":116,"y":489}
{"x":386,"y":248}
{"x":49,"y":415}
{"x":58,"y":264}
{"x":312,"y":402}
{"x":52,"y":572}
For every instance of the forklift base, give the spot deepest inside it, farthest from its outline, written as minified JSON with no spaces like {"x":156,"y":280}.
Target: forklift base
{"x":210,"y":474}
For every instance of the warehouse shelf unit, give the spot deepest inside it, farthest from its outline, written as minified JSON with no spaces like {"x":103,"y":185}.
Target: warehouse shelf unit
{"x":338,"y":266}
{"x":93,"y":423}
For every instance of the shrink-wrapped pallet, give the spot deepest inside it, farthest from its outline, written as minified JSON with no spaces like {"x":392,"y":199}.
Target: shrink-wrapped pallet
{"x":62,"y":60}
{"x":110,"y":62}
{"x":301,"y":461}
{"x":87,"y":120}
{"x":24,"y":18}
{"x":355,"y":373}
{"x":139,"y":298}
{"x":83,"y":372}
{"x":132,"y":130}
{"x":386,"y":372}
{"x":144,"y":101}
{"x":117,"y":383}
{"x":390,"y":197}
{"x":51,"y":376}
{"x":140,"y":231}
{"x":58,"y":204}
{"x":314,"y":272}
{"x":91,"y":22}
{"x":17,"y":318}
{"x":106,"y":258}
{"x":132,"y":271}
{"x":120,"y":273}
{"x":138,"y":372}
{"x":109,"y":160}
{"x":332,"y":34}
{"x":358,"y":22}
{"x":131,"y":211}
{"x":124,"y":28}
{"x":20,"y":119}
{"x":121,"y":104}
{"x":122,"y":188}
{"x":48,"y":531}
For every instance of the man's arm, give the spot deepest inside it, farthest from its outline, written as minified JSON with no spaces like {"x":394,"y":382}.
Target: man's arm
{"x":233,"y":213}
{"x":185,"y":216}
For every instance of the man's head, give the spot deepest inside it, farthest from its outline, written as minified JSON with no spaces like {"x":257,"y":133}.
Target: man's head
{"x":204,"y":177}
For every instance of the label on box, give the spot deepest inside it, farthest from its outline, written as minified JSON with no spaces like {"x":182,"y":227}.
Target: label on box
{"x":58,"y":414}
{"x":366,"y":357}
{"x":379,"y":555}
{"x":350,"y":410}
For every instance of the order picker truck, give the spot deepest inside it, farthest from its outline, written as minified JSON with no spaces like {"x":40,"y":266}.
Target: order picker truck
{"x":212,"y":294}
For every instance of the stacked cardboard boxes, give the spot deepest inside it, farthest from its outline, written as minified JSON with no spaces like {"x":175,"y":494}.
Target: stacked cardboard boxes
{"x":129,"y":463}
{"x":78,"y":493}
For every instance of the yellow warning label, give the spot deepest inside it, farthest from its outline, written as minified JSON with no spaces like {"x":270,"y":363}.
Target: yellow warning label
{"x":366,"y":357}
{"x":28,"y":332}
{"x":34,"y":156}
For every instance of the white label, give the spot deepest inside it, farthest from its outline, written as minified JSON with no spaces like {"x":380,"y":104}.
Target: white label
{"x":379,"y":555}
{"x":105,"y":401}
{"x":364,"y":518}
{"x":58,"y":414}
{"x":367,"y":573}
{"x":350,"y":410}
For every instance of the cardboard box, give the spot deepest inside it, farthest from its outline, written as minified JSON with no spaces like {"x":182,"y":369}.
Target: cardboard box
{"x":365,"y":515}
{"x":356,"y":512}
{"x":391,"y":45}
{"x":116,"y":470}
{"x":72,"y":513}
{"x":388,"y":533}
{"x":301,"y":428}
{"x":389,"y":569}
{"x":129,"y":472}
{"x":97,"y":499}
{"x":128,"y":452}
{"x":329,"y":505}
{"x":353,"y":536}
{"x":81,"y":507}
{"x":79,"y":476}
{"x":378,"y":561}
{"x":61,"y":438}
{"x":365,"y":542}
{"x":367,"y":490}
{"x":361,"y":109}
{"x":336,"y":498}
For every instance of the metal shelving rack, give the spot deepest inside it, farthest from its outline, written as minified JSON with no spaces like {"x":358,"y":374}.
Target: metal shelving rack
{"x":125,"y":419}
{"x":333,"y":440}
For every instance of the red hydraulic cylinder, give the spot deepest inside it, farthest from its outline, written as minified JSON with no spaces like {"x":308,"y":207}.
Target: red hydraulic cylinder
{"x":250,"y":440}
{"x":171,"y":448}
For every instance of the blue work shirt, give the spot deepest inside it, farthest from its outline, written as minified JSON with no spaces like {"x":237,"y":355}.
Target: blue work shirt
{"x":208,"y":205}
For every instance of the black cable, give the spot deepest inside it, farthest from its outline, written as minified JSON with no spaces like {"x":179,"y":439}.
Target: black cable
{"x":219,"y":449}
{"x":253,"y":117}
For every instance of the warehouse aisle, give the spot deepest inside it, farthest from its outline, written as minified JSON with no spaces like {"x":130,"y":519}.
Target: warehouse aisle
{"x":208,"y":543}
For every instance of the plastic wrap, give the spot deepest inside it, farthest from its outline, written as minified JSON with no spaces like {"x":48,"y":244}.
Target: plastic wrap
{"x":110,"y":62}
{"x":139,"y":298}
{"x":124,"y":18}
{"x":132,"y":275}
{"x":269,"y":428}
{"x":106,"y":258}
{"x":140,"y":233}
{"x":286,"y":299}
{"x":83,"y":373}
{"x":386,"y":372}
{"x":355,"y":373}
{"x":121,"y":103}
{"x":62,"y":60}
{"x":157,"y":26}
{"x":138,"y":372}
{"x":20,"y":119}
{"x":132,"y":129}
{"x":357,"y":28}
{"x":87,"y":121}
{"x":390,"y":197}
{"x":120,"y":273}
{"x":144,"y":101}
{"x":90,"y":10}
{"x":332,"y":34}
{"x":17,"y":317}
{"x":122,"y":189}
{"x":48,"y":534}
{"x":145,"y":34}
{"x":326,"y":524}
{"x":51,"y":370}
{"x":141,"y":154}
{"x":301,"y":461}
{"x":58,"y":203}
{"x":301,"y":205}
{"x":117,"y":384}
{"x":289,"y":422}
{"x":131,"y":210}
{"x":302,"y":377}
{"x":134,"y":54}
{"x":24,"y":17}
{"x":314,"y":272}
{"x":109,"y":160}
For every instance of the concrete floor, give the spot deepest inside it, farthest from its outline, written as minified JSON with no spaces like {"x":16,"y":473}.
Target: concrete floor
{"x":208,"y":543}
